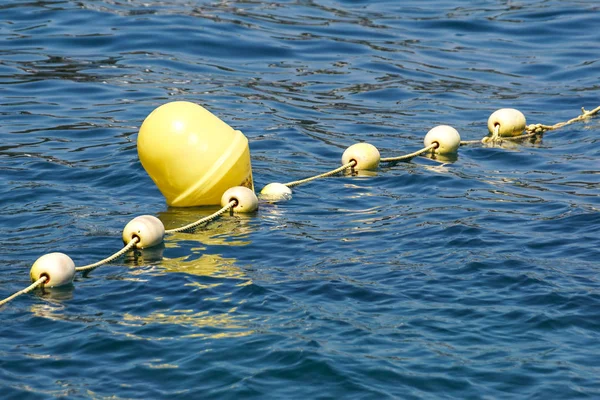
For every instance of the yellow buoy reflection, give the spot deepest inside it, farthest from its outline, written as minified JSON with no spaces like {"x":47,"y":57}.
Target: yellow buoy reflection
{"x":212,"y":265}
{"x":226,"y":230}
{"x":442,"y":158}
{"x":229,"y":325}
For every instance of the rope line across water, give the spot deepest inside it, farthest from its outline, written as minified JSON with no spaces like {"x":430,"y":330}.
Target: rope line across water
{"x":124,"y":250}
{"x":410,"y":156}
{"x":520,"y":137}
{"x":344,"y":167}
{"x":118,"y":254}
{"x":531,"y":130}
{"x":208,"y":218}
{"x":26,"y":290}
{"x":541,"y":128}
{"x":468,"y":142}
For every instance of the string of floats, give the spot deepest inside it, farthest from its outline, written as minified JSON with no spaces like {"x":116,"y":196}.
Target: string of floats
{"x":507,"y":124}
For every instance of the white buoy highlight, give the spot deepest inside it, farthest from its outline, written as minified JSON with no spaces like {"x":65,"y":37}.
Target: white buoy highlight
{"x":276,"y":192}
{"x":149,"y":230}
{"x":245,"y":198}
{"x":508,"y":121}
{"x":366,"y":156}
{"x":447,"y":138}
{"x":58,"y":268}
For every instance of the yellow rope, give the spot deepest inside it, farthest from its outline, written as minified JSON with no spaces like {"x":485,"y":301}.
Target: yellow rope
{"x":191,"y":226}
{"x":432,"y":146}
{"x":26,"y":290}
{"x":118,"y":254}
{"x":344,"y":167}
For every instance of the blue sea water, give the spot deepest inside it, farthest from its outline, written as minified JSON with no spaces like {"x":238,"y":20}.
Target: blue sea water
{"x":477,"y":278}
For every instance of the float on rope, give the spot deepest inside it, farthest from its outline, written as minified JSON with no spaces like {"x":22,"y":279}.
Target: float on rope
{"x":196,"y":159}
{"x":58,"y":268}
{"x":275,"y":192}
{"x":365,"y":155}
{"x":506,"y":122}
{"x":148,"y":229}
{"x":446,"y":137}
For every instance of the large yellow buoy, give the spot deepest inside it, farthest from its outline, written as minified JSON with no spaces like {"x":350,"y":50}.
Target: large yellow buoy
{"x":191,"y":155}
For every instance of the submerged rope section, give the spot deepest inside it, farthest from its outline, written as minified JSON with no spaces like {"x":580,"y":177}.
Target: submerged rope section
{"x":520,"y":137}
{"x":26,"y":290}
{"x":344,"y":167}
{"x":468,"y":142}
{"x":193,"y":225}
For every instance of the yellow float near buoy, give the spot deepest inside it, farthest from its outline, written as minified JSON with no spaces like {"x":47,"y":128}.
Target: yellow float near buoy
{"x":192,"y":155}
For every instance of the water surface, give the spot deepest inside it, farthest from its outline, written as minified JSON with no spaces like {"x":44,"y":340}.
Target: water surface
{"x":471,"y":279}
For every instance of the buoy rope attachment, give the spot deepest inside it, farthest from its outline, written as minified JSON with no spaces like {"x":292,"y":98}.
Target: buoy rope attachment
{"x":495,"y":138}
{"x":118,"y":254}
{"x":468,"y":142}
{"x":190,"y":227}
{"x":350,"y":164}
{"x":520,"y":137}
{"x":533,"y":129}
{"x":410,"y":156}
{"x":26,"y":290}
{"x":541,"y":128}
{"x":124,"y":250}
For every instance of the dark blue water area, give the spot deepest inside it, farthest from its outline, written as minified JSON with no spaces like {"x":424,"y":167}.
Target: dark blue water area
{"x":469,"y":278}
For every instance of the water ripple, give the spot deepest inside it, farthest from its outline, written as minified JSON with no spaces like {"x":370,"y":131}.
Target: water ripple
{"x":460,"y":278}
